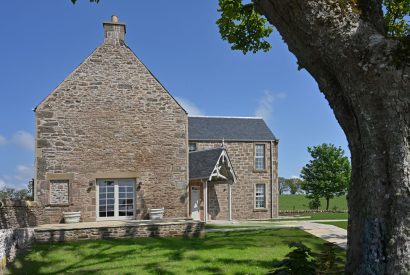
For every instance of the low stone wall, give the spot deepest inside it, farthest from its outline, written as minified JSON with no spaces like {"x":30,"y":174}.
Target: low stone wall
{"x":20,"y":214}
{"x":12,"y":242}
{"x":96,"y":232}
{"x":292,"y":212}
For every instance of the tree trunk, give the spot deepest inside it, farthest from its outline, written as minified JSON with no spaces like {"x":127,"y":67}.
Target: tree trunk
{"x":344,"y":48}
{"x":327,"y":203}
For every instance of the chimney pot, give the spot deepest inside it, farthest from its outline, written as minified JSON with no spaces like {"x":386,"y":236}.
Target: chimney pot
{"x":114,"y":31}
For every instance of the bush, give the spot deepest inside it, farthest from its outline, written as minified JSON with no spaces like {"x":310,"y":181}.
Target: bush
{"x":314,"y":204}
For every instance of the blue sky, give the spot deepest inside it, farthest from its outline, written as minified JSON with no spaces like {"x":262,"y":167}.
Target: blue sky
{"x":43,"y":41}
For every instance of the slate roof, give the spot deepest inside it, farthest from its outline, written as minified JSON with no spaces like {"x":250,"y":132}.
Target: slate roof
{"x":202,"y":163}
{"x":229,"y":128}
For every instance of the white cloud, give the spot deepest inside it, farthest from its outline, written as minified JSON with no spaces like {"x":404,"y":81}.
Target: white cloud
{"x":190,"y":107}
{"x":24,"y":140}
{"x":265,"y":105}
{"x":2,"y":184}
{"x":3,"y":140}
{"x":23,"y":174}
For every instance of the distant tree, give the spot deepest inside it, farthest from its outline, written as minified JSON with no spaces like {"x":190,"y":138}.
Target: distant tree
{"x":282,"y":185}
{"x":17,"y":194}
{"x":294,"y":185}
{"x":328,"y":174}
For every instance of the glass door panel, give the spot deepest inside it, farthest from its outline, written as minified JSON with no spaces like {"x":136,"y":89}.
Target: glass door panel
{"x":116,"y":198}
{"x":126,"y":198}
{"x":106,"y":198}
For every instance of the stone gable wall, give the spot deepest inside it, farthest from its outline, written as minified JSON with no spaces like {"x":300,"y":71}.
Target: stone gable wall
{"x":241,"y":155}
{"x":112,"y":116}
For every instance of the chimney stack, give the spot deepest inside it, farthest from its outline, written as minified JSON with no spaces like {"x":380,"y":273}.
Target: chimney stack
{"x":114,"y":31}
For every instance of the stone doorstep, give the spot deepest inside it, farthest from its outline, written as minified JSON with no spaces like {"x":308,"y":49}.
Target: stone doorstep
{"x":112,"y":224}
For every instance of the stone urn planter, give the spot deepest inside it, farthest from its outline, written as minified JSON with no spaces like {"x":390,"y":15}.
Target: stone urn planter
{"x":72,"y":217}
{"x":156,"y":213}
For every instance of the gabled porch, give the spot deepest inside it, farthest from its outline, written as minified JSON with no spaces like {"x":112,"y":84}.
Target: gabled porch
{"x":211,"y":176}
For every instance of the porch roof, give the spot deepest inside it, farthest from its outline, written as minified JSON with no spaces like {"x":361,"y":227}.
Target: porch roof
{"x":207,"y":164}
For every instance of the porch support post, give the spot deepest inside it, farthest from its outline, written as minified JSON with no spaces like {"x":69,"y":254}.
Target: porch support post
{"x":230,"y":201}
{"x":206,"y":201}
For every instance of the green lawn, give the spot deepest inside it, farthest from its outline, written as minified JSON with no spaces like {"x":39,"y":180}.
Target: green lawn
{"x":338,"y":224}
{"x":322,"y":216}
{"x":227,"y":226}
{"x":244,"y":252}
{"x":300,"y":202}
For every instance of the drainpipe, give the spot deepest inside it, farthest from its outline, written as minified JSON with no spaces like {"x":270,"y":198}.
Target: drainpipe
{"x":230,"y":201}
{"x":271,"y":178}
{"x":206,"y":201}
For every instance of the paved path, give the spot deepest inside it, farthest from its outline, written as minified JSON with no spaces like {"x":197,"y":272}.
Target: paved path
{"x":326,"y":232}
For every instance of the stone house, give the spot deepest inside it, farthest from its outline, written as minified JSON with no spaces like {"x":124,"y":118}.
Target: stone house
{"x":112,"y":142}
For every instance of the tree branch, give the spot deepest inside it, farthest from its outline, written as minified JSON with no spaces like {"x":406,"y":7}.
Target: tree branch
{"x":372,"y":12}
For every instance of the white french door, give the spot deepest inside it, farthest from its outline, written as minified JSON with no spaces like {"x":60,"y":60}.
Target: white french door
{"x":195,"y":202}
{"x":115,"y":199}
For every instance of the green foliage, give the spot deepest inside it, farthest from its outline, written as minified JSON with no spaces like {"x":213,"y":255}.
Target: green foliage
{"x":293,"y":185}
{"x":243,"y":27}
{"x":328,"y":174}
{"x":298,"y":261}
{"x":314,"y":204}
{"x":246,"y":30}
{"x":282,"y":186}
{"x":396,"y":17}
{"x":13,"y":194}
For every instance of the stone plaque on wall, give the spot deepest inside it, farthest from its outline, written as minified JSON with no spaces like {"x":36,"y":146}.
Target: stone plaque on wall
{"x":59,"y":192}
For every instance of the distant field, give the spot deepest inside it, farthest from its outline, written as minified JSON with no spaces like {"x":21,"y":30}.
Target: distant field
{"x":300,"y":202}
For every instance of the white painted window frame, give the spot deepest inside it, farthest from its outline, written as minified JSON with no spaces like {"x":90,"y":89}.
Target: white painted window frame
{"x":116,"y":201}
{"x":263,"y":157}
{"x":264,"y":196}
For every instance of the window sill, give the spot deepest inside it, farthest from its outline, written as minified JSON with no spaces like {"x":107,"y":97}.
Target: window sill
{"x":58,"y":205}
{"x":260,"y":210}
{"x":260,"y":171}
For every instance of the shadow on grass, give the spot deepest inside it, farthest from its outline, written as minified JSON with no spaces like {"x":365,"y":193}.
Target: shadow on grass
{"x":214,"y":254}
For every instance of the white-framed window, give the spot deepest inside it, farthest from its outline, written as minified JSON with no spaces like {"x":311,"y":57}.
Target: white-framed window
{"x":115,"y":199}
{"x":260,"y":195}
{"x":192,"y":147}
{"x":259,"y":156}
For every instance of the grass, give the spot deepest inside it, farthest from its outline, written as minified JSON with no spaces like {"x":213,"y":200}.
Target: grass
{"x":245,"y":252}
{"x":338,"y":224}
{"x":321,"y":216}
{"x":223,"y":226}
{"x":300,"y":202}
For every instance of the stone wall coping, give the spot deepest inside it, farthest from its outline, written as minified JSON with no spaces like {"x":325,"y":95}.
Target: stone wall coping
{"x":18,"y":203}
{"x":111,"y":224}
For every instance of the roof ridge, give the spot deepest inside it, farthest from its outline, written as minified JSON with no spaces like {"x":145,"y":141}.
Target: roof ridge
{"x":216,"y":148}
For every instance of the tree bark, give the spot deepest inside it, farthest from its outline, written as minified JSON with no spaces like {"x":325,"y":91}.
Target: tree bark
{"x":344,"y":48}
{"x":327,"y":203}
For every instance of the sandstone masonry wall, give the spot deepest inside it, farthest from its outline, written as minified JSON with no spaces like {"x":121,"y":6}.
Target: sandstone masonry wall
{"x":241,"y":155}
{"x":20,"y":214}
{"x":109,"y":118}
{"x":165,"y":229}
